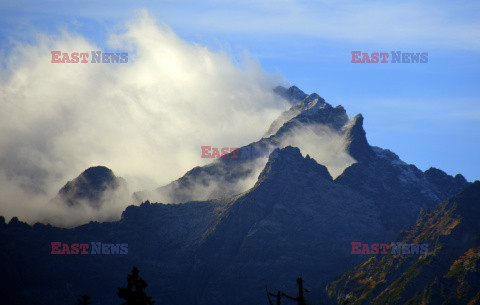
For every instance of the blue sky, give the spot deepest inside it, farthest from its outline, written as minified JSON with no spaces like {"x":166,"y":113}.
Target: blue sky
{"x":429,"y":114}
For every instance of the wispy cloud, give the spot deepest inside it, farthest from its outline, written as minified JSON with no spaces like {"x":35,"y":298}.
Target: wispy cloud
{"x":145,"y":119}
{"x":406,"y":23}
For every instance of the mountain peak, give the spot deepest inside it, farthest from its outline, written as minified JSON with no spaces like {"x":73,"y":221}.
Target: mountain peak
{"x":288,"y":164}
{"x":98,"y":175}
{"x":460,"y":179}
{"x":444,"y":182}
{"x":293,"y":94}
{"x":90,"y":186}
{"x":314,"y":97}
{"x":358,"y":146}
{"x":311,"y":110}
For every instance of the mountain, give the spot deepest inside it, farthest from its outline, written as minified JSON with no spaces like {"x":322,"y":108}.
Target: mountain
{"x":226,"y":177}
{"x":91,"y":187}
{"x":444,"y":182}
{"x":295,"y":221}
{"x":293,"y":94}
{"x":229,"y":228}
{"x":448,"y":274}
{"x":228,"y":250}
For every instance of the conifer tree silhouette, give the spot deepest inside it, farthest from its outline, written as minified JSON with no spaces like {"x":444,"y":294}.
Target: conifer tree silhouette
{"x":83,"y":299}
{"x":134,"y":292}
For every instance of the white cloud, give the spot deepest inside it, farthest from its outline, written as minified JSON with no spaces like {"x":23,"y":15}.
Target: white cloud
{"x":145,"y":119}
{"x":323,"y":144}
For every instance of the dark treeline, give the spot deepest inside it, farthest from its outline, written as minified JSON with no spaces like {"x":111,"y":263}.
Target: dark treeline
{"x":132,"y":294}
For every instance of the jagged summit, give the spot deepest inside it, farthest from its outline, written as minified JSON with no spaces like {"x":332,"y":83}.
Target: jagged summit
{"x":312,"y":100}
{"x":289,"y":164}
{"x":358,"y":146}
{"x":311,"y":110}
{"x":438,"y":175}
{"x":226,"y":177}
{"x":292,"y":94}
{"x":445,"y":183}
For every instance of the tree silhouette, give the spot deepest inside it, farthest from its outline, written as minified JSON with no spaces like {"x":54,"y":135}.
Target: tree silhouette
{"x":84,"y":299}
{"x":134,"y":292}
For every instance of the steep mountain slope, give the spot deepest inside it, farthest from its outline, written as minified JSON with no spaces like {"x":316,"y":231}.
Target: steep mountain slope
{"x":398,"y":187}
{"x":448,"y":274}
{"x":294,"y":221}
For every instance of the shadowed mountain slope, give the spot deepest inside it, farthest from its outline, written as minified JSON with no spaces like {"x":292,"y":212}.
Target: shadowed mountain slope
{"x":448,"y":274}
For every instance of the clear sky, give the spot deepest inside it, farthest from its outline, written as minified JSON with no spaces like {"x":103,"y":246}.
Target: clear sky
{"x":429,"y":114}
